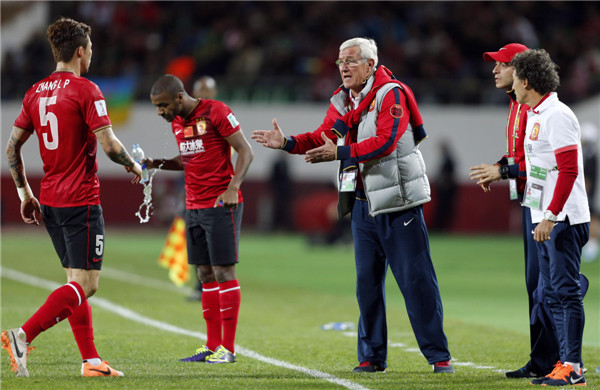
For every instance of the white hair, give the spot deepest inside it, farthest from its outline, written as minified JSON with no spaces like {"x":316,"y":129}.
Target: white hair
{"x":368,"y":48}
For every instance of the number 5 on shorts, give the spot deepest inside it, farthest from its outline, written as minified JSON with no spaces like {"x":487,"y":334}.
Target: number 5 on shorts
{"x":99,"y":244}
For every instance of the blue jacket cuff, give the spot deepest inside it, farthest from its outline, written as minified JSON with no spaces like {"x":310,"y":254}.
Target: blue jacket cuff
{"x":340,"y":128}
{"x":513,"y":171}
{"x":343,"y":152}
{"x":288,"y":144}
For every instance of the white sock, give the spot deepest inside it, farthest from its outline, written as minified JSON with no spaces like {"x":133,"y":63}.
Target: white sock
{"x":22,"y":335}
{"x":575,"y":366}
{"x":94,"y":361}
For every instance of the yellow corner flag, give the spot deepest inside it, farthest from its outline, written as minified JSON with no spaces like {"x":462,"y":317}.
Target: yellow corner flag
{"x":174,"y":253}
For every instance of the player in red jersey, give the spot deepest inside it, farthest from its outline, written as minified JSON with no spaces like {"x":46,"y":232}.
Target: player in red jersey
{"x":68,"y":114}
{"x":205,"y":131}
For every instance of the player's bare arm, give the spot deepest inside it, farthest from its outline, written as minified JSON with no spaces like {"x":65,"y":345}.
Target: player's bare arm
{"x":116,"y":152}
{"x":273,"y":139}
{"x":15,"y":159}
{"x":238,"y":142}
{"x":30,"y":207}
{"x":167,"y":164}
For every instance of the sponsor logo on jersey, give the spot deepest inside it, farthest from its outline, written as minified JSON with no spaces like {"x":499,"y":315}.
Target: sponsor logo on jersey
{"x":191,"y":147}
{"x":101,"y":107}
{"x":188,"y":131}
{"x":396,"y":111}
{"x":535,"y":132}
{"x":234,"y":123}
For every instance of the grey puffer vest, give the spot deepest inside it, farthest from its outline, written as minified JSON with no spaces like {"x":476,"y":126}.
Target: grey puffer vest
{"x":394,"y":182}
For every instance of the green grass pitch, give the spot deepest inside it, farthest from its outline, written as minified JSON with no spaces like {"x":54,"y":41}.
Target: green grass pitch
{"x":143,"y":323}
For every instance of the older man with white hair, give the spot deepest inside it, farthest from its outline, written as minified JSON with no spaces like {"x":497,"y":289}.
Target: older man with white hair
{"x":373,"y":126}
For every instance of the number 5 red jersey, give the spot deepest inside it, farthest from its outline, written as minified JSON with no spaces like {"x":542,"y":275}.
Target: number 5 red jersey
{"x":65,"y":110}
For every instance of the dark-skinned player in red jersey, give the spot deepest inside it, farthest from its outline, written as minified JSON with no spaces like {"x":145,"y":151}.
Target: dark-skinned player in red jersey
{"x":68,"y":114}
{"x":206,"y":130}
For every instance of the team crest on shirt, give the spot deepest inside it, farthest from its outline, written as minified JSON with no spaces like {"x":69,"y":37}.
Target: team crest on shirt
{"x":372,"y":106}
{"x":396,"y":111}
{"x":201,"y":127}
{"x":535,"y":132}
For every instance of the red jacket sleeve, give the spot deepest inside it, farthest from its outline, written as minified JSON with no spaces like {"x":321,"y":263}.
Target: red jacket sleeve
{"x":301,"y":143}
{"x":567,"y":173}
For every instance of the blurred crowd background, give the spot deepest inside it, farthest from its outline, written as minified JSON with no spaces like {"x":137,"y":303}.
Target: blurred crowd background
{"x":285,"y":51}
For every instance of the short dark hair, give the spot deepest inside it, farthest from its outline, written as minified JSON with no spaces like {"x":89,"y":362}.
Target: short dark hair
{"x":169,"y":84}
{"x":538,"y":68}
{"x":65,"y":36}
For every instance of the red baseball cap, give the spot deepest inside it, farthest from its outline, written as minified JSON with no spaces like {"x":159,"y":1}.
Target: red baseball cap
{"x":505,"y":54}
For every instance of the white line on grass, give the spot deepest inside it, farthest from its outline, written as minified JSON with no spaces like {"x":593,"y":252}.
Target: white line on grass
{"x":131,"y":278}
{"x":133,"y":316}
{"x":455,"y":362}
{"x":112,"y":273}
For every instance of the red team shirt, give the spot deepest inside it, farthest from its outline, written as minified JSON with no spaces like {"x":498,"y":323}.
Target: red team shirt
{"x":205,"y":153}
{"x":65,"y":110}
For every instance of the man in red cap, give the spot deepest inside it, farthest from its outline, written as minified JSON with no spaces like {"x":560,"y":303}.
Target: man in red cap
{"x":544,"y":343}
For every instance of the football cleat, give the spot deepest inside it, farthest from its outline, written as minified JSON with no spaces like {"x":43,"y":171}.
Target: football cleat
{"x":368,"y":367}
{"x":523,"y":372}
{"x":540,"y":381}
{"x":221,"y":355}
{"x":444,"y":367}
{"x":566,"y":376}
{"x":103,"y":369}
{"x":17,"y":349}
{"x":200,"y":355}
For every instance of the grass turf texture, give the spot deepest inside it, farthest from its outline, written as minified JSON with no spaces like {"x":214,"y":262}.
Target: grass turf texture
{"x":289,"y":289}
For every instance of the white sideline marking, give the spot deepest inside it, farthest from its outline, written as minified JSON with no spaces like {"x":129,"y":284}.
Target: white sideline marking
{"x":455,"y":362}
{"x":131,"y":278}
{"x":133,"y":316}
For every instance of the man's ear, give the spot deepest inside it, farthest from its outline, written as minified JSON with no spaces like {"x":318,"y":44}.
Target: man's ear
{"x":79,"y":51}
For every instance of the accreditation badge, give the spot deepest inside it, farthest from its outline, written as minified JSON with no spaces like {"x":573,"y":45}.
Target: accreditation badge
{"x":534,"y":191}
{"x":348,"y":181}
{"x":512,"y":183}
{"x":533,"y":196}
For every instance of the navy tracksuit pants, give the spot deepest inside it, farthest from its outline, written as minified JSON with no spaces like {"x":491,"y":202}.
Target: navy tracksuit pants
{"x":544,"y":343}
{"x":399,"y":240}
{"x":560,"y":260}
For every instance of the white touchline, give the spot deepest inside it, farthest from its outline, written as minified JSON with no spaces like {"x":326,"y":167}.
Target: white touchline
{"x":455,"y":362}
{"x":131,"y":278}
{"x":133,"y":316}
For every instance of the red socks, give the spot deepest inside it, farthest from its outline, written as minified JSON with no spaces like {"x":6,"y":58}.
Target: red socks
{"x":60,"y":304}
{"x":212,"y":316}
{"x":81,"y":324}
{"x":221,"y":307}
{"x":229,"y":297}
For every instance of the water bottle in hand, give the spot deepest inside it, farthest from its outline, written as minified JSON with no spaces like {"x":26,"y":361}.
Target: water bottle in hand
{"x":138,"y":156}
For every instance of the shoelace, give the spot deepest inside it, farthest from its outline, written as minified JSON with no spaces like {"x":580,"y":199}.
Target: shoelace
{"x":220,"y":353}
{"x":562,"y":372}
{"x":202,"y":349}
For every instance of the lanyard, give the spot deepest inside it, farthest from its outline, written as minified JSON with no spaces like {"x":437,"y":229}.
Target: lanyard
{"x":514,"y":130}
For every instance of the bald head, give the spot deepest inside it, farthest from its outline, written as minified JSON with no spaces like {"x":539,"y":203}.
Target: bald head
{"x":205,"y":88}
{"x":167,"y":84}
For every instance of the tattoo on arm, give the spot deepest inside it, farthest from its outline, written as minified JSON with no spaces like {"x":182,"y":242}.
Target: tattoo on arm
{"x":15,"y":161}
{"x":121,"y":157}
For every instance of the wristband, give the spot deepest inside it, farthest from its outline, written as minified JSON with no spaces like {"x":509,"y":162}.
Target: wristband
{"x":22,"y":193}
